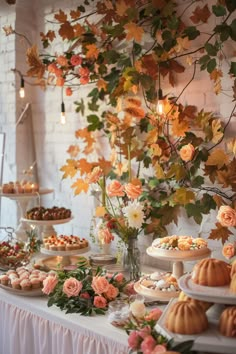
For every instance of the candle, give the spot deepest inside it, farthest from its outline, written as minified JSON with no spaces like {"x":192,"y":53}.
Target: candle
{"x":34,"y":187}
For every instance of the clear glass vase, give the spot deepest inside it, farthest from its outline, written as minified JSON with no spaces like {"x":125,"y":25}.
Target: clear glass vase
{"x":131,"y":259}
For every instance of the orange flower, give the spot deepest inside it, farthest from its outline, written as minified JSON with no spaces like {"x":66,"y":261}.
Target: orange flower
{"x":105,"y":236}
{"x":100,"y":302}
{"x":60,"y":81}
{"x":115,"y":189}
{"x":228,"y":250}
{"x":111,"y":292}
{"x":62,"y":60}
{"x":226,"y":216}
{"x":100,"y":285}
{"x":133,"y":191}
{"x":186,"y":152}
{"x":68,"y":91}
{"x":154,"y":315}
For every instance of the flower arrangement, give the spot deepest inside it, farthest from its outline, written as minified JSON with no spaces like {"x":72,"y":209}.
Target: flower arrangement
{"x":129,"y":50}
{"x":80,"y":291}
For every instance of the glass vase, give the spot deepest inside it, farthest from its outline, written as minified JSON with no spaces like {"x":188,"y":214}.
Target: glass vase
{"x":131,"y":260}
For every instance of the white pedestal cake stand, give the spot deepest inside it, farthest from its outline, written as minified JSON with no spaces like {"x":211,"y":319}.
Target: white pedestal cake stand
{"x":63,"y":257}
{"x":23,"y":200}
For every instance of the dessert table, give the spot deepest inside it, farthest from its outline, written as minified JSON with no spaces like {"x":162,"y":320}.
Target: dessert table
{"x":28,"y":326}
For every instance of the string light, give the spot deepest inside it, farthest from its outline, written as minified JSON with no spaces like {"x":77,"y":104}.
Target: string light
{"x":63,"y":114}
{"x":160,"y":103}
{"x":22,"y":88}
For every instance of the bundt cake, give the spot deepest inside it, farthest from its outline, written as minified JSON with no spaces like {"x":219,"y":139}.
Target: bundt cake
{"x":186,"y":318}
{"x":204,"y":304}
{"x":211,"y":272}
{"x":233,"y":284}
{"x":233,"y":268}
{"x":227,"y":323}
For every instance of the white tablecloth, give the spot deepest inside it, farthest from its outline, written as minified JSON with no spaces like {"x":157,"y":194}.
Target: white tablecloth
{"x":28,"y":326}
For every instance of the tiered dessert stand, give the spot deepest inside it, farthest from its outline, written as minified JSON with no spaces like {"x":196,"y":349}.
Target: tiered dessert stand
{"x":23,"y":200}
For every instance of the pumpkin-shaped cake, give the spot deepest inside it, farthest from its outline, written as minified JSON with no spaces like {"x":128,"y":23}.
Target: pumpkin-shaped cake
{"x":211,"y":272}
{"x":186,"y":318}
{"x":204,"y":304}
{"x":233,"y":284}
{"x":227,"y":323}
{"x":233,"y":268}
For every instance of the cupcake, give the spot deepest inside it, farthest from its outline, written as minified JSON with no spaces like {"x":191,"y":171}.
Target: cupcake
{"x":13,"y":276}
{"x":15,"y":283}
{"x":25,"y":284}
{"x":4,"y":279}
{"x":36,"y":283}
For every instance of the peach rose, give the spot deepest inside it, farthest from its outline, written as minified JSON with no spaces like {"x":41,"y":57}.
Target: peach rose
{"x":115,"y":189}
{"x":100,"y":302}
{"x":228,"y":250}
{"x":154,"y":315}
{"x":100,"y":285}
{"x":186,"y":152}
{"x":62,"y":60}
{"x":72,"y":287}
{"x":119,"y":277}
{"x":105,"y":236}
{"x":49,"y":284}
{"x":111,"y":292}
{"x":138,"y":309}
{"x":226,"y":216}
{"x":94,"y":176}
{"x":133,"y":191}
{"x":159,"y":348}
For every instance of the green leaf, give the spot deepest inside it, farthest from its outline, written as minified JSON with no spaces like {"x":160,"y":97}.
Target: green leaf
{"x":231,"y":5}
{"x":137,"y":48}
{"x":191,"y":32}
{"x":173,"y":23}
{"x":233,"y":68}
{"x":95,"y":123}
{"x":194,"y":210}
{"x":166,"y":35}
{"x":224,"y":31}
{"x":211,"y":65}
{"x":211,"y":49}
{"x":197,"y":181}
{"x":203,"y":61}
{"x":145,"y":81}
{"x":80,"y":106}
{"x":233,"y":30}
{"x":111,"y":56}
{"x":219,"y":10}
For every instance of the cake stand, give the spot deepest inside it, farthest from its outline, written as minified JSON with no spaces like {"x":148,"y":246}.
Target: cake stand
{"x":63,"y":258}
{"x":23,"y":200}
{"x":46,"y":225}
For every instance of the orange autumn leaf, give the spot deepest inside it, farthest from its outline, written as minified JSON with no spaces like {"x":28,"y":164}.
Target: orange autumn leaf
{"x":216,"y":130}
{"x":92,"y":51}
{"x":231,"y":146}
{"x":217,"y":158}
{"x":200,"y":14}
{"x":78,"y":30}
{"x":73,"y":150}
{"x":121,"y":7}
{"x":74,"y":14}
{"x":134,"y":32}
{"x":37,"y":68}
{"x":70,"y":169}
{"x":66,"y":31}
{"x":61,"y":16}
{"x":84,"y":166}
{"x":101,"y":84}
{"x":183,"y":196}
{"x":50,"y":35}
{"x":105,"y":165}
{"x":80,"y":186}
{"x":88,"y":139}
{"x":100,"y":211}
{"x":216,"y":74}
{"x":220,"y":233}
{"x":179,"y":128}
{"x":152,"y":136}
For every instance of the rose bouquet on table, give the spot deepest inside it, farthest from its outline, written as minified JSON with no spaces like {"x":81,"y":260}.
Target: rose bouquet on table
{"x":227,"y":219}
{"x":82,"y":291}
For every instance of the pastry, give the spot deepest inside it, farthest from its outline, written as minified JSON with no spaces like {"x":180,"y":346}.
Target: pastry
{"x":227,"y":323}
{"x":54,"y":213}
{"x":211,"y":272}
{"x":15,"y":283}
{"x":233,"y":284}
{"x":25,"y":284}
{"x":64,"y":243}
{"x":186,"y":318}
{"x":162,"y":285}
{"x":4,"y":279}
{"x":36,"y":283}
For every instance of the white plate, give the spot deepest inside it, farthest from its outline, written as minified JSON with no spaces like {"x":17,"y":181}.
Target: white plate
{"x":209,"y":341}
{"x":32,"y":292}
{"x":27,"y":195}
{"x":64,"y":253}
{"x":163,"y":296}
{"x":217,"y":294}
{"x":47,"y":222}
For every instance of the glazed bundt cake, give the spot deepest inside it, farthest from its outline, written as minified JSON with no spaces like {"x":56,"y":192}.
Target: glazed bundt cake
{"x":233,"y":268}
{"x":233,"y":284}
{"x":186,"y":318}
{"x":204,"y":304}
{"x":211,"y":272}
{"x":227,"y":323}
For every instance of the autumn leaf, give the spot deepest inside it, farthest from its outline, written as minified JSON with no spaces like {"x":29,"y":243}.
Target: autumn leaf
{"x":73,"y":150}
{"x":182,"y":44}
{"x":37,"y":68}
{"x":101,"y":84}
{"x":88,"y":139}
{"x":70,"y":169}
{"x":179,"y":128}
{"x":217,"y":158}
{"x":105,"y":165}
{"x":169,"y":214}
{"x":200,"y":14}
{"x":78,"y":30}
{"x":231,"y":146}
{"x":152,"y":136}
{"x":61,"y":16}
{"x":149,"y":65}
{"x":183,"y":196}
{"x":50,"y":35}
{"x":134,"y":32}
{"x":159,"y":172}
{"x":84,"y":166}
{"x":80,"y":186}
{"x":66,"y":31}
{"x":216,"y":74}
{"x":92,"y":51}
{"x":121,"y":7}
{"x":100,"y":211}
{"x":227,"y":176}
{"x":216,"y":130}
{"x":75,"y":14}
{"x":220,"y":233}
{"x":218,"y":200}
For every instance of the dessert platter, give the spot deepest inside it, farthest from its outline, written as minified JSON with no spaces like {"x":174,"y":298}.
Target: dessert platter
{"x":204,"y":315}
{"x":13,"y":254}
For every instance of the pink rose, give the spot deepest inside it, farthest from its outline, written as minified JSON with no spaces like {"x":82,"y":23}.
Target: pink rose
{"x":148,"y":344}
{"x":154,"y":314}
{"x":115,"y":189}
{"x":133,"y":191}
{"x":186,"y":152}
{"x":134,"y":340}
{"x":228,"y":250}
{"x":76,"y":60}
{"x":144,"y":332}
{"x":72,"y":287}
{"x":85,"y":295}
{"x":100,"y":302}
{"x":226,"y":216}
{"x":159,"y":348}
{"x":119,"y":277}
{"x":49,"y":284}
{"x":111,"y":292}
{"x":94,"y":176}
{"x":105,"y":236}
{"x":100,"y":284}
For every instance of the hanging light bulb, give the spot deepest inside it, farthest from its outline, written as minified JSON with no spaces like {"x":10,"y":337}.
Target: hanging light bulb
{"x":160,"y":103}
{"x":22,"y":88}
{"x":63,"y":114}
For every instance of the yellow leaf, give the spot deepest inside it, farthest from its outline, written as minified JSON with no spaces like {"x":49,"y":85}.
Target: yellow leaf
{"x":182,"y":44}
{"x":159,"y":171}
{"x":92,"y":51}
{"x":80,"y":186}
{"x":73,"y":150}
{"x":84,"y":166}
{"x":217,"y":158}
{"x":88,"y":139}
{"x":216,"y":74}
{"x":217,"y":87}
{"x":134,"y":32}
{"x":121,"y":7}
{"x":70,"y":169}
{"x":100,"y":211}
{"x":156,"y":150}
{"x":152,"y":136}
{"x":231,"y":145}
{"x":179,"y":128}
{"x":216,"y":130}
{"x":183,"y":196}
{"x":102,"y":84}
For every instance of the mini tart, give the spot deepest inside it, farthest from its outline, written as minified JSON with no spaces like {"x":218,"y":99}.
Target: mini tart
{"x":15,"y":283}
{"x":4,"y":279}
{"x":25,"y":284}
{"x":36,"y":283}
